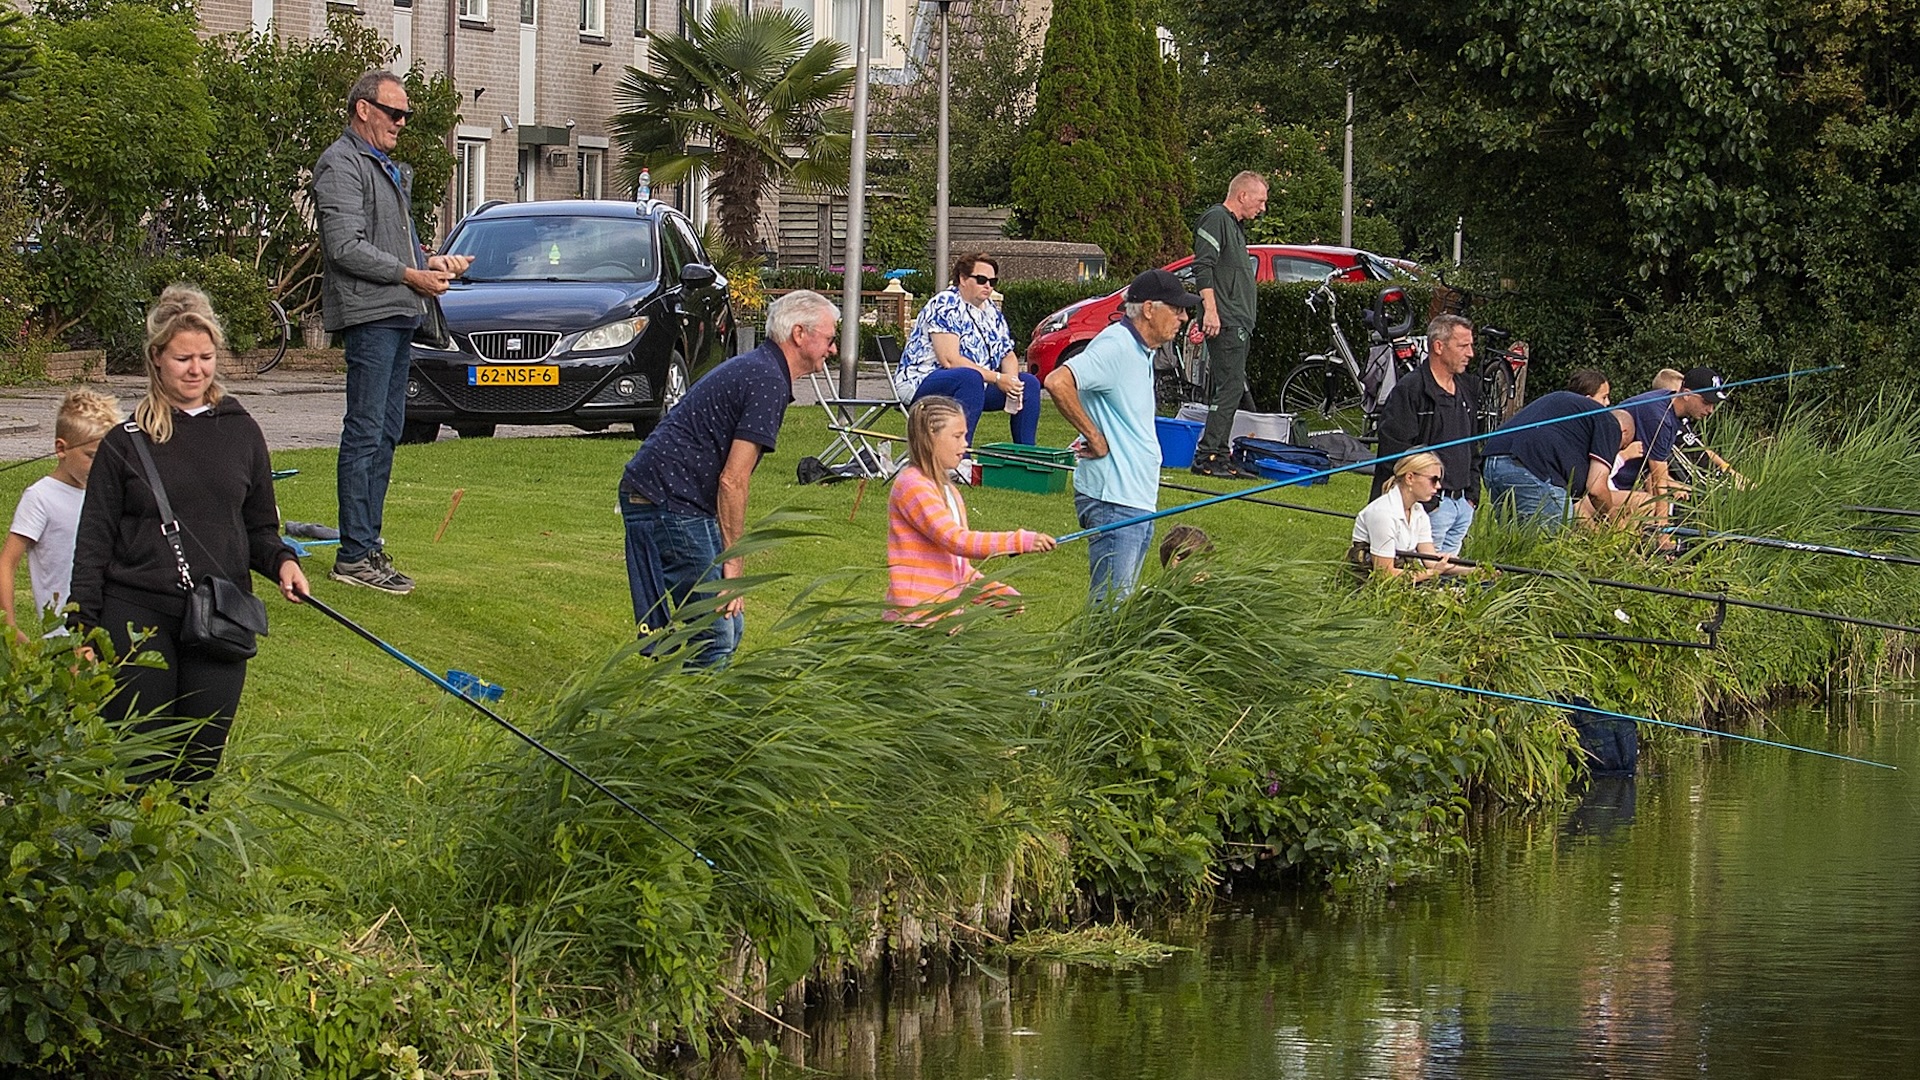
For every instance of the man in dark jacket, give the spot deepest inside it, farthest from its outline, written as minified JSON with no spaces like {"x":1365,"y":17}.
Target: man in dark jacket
{"x":1439,"y":402}
{"x":1223,"y":271}
{"x":375,"y":291}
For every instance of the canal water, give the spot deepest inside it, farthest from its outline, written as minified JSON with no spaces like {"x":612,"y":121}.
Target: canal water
{"x":1734,"y":911}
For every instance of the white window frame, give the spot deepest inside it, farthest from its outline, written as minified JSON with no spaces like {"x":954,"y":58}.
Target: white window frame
{"x":593,"y":18}
{"x":469,"y":174}
{"x":592,"y":167}
{"x":529,"y":12}
{"x":473,"y":10}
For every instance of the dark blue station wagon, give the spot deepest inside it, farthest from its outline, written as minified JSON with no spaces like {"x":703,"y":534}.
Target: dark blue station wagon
{"x":573,"y":312}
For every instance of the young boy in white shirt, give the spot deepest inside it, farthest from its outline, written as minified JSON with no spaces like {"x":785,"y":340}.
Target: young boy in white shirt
{"x":48,"y":516}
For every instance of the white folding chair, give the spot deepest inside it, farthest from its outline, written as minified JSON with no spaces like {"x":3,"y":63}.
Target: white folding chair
{"x":860,"y":446}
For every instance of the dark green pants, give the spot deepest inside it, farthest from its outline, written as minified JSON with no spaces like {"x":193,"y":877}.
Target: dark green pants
{"x":1227,"y":371}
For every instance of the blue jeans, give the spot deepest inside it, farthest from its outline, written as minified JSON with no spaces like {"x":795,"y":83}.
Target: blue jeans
{"x":377,"y":363}
{"x":1116,"y":555}
{"x":669,"y":556}
{"x":1450,"y":524}
{"x":968,"y":387}
{"x":1524,"y":496}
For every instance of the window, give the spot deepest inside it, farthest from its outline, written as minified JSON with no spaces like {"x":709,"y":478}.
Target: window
{"x":526,"y":166}
{"x":473,"y":10}
{"x":1293,"y":268}
{"x":639,"y":18}
{"x":526,"y":13}
{"x":593,"y":18}
{"x":846,"y":15}
{"x":593,"y":172}
{"x":469,"y":175}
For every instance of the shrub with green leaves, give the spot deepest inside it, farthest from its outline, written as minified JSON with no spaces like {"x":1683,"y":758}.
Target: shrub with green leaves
{"x":99,"y":921}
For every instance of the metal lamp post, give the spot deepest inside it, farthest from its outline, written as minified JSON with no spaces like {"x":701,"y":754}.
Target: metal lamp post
{"x":856,"y":210}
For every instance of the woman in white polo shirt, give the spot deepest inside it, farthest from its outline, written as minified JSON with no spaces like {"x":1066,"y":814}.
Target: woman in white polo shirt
{"x":1396,"y":522}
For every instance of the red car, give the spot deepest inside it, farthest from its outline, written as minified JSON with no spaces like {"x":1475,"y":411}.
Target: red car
{"x":1067,"y":331}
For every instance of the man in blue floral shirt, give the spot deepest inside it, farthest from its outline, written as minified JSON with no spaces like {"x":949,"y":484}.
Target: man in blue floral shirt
{"x":961,"y":348}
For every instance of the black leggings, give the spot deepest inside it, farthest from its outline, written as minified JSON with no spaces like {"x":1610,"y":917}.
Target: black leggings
{"x":191,"y":688}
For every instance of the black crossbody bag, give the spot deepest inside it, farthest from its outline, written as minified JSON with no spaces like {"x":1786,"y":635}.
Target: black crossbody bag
{"x":222,"y":620}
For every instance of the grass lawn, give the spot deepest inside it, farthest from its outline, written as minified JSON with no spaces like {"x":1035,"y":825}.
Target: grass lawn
{"x":528,"y":587}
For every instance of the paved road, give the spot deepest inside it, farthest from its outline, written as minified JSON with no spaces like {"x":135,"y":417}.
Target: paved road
{"x":296,"y":410}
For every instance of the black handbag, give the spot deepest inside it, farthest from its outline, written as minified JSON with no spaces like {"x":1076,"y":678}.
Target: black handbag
{"x":222,"y":620}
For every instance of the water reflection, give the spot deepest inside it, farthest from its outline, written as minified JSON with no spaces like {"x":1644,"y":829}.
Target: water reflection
{"x":1736,"y":911}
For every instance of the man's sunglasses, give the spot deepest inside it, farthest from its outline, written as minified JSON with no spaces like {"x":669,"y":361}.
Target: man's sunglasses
{"x":398,"y":116}
{"x":982,"y":279}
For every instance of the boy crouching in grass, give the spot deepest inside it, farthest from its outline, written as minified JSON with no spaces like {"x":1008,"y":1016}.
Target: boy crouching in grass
{"x":45,"y":522}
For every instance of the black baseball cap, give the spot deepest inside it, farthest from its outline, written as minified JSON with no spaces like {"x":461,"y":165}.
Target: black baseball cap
{"x":1162,"y":286}
{"x":1706,"y":382}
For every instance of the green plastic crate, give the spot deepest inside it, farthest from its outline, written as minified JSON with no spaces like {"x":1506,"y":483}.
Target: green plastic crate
{"x":1044,"y":470}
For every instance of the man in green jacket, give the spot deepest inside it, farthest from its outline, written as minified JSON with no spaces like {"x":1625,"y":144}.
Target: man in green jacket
{"x":1224,"y":272}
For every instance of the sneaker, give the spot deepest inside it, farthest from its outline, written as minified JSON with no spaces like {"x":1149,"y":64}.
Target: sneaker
{"x":384,"y":561}
{"x":1220,"y":467}
{"x":375,"y":572}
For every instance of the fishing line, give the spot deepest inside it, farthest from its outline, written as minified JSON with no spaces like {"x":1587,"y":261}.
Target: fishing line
{"x":29,"y":461}
{"x":1309,"y":478}
{"x":1561,"y":705}
{"x":555,"y":756}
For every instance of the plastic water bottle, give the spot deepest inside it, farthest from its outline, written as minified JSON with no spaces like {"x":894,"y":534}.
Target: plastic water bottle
{"x":645,"y":190}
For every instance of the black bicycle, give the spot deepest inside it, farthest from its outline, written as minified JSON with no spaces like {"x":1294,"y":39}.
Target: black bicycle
{"x":1335,"y":391}
{"x":280,"y":330}
{"x":1501,"y":362}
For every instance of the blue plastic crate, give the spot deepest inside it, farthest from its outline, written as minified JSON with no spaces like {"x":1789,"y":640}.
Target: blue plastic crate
{"x":1280,"y":470}
{"x":1178,"y":440}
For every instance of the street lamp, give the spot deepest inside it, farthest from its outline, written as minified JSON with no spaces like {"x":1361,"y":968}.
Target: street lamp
{"x":856,"y":210}
{"x":941,"y":236}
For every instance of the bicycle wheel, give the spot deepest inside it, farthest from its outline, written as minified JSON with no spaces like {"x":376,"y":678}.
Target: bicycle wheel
{"x":278,"y":325}
{"x":1496,"y":392}
{"x":1322,"y":396}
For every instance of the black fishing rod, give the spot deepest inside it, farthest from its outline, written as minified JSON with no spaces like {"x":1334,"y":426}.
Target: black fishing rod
{"x":1561,"y":705}
{"x":1882,"y":510}
{"x":1341,"y":514}
{"x":555,"y":756}
{"x":1796,"y":545}
{"x":1309,"y":478}
{"x":22,"y":464}
{"x":1683,"y":594}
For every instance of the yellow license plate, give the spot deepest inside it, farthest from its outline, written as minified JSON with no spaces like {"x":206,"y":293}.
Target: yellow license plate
{"x":518,"y":375}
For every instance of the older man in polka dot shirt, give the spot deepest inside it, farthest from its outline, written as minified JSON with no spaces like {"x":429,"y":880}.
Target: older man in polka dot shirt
{"x":684,"y":495}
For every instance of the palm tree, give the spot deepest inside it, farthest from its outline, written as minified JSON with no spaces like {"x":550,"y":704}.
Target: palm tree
{"x":748,"y":98}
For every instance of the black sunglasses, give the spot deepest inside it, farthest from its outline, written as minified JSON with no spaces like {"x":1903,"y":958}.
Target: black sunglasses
{"x":398,"y":116}
{"x":982,"y":279}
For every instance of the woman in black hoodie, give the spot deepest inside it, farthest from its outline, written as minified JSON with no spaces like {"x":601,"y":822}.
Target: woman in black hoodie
{"x":212,"y":461}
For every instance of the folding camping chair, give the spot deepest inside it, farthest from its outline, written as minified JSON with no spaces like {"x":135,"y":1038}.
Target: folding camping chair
{"x":859,"y":446}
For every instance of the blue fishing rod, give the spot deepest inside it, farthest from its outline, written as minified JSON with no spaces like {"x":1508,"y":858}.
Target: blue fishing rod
{"x":553,"y":755}
{"x":1561,"y":705}
{"x":1309,"y":478}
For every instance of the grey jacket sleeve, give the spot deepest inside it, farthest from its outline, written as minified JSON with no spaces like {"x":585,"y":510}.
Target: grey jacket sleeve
{"x":340,"y":198}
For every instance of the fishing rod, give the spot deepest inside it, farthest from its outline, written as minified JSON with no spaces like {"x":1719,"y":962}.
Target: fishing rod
{"x":1882,"y":510}
{"x":555,"y":756}
{"x":1561,"y":705}
{"x":1684,"y":594}
{"x":1796,"y":545}
{"x":1309,"y":478}
{"x":22,"y":464}
{"x":1341,"y":514}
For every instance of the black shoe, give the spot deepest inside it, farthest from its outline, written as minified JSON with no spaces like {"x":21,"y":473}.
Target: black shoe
{"x":1220,"y":467}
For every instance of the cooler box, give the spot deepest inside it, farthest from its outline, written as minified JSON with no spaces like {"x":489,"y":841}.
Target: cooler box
{"x":1178,"y":440}
{"x":1275,"y":426}
{"x":1044,"y":470}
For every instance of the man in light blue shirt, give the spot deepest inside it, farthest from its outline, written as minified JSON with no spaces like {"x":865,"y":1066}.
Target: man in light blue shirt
{"x":1106,"y":393}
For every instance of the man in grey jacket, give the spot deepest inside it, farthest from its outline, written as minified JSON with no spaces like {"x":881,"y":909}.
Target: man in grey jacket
{"x":1224,"y":273}
{"x":374,"y":292}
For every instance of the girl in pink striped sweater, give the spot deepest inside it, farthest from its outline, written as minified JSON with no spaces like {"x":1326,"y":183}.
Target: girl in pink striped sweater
{"x":928,"y":542}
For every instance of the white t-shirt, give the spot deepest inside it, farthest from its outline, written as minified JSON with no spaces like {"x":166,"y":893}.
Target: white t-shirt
{"x":49,"y":515}
{"x":1386,"y":528}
